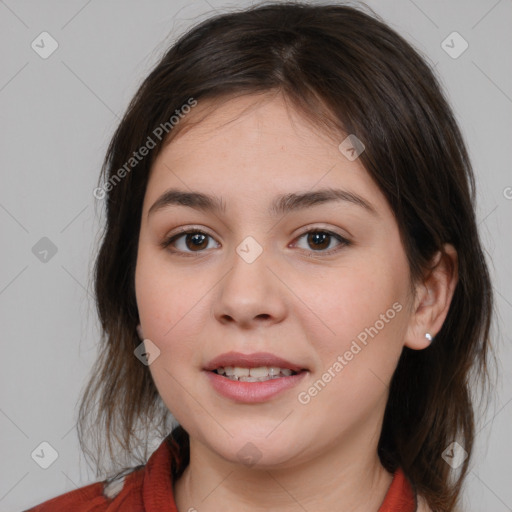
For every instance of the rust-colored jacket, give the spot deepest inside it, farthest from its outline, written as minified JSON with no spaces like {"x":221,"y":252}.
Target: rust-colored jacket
{"x":149,"y":489}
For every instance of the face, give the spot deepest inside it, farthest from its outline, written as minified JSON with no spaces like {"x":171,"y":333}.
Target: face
{"x":320,"y":289}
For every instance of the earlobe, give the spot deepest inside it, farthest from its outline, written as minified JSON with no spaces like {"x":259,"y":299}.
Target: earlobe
{"x":139,"y":332}
{"x":434,"y":296}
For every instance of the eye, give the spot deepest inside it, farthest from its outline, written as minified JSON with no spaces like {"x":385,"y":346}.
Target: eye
{"x":193,"y":239}
{"x":321,"y":239}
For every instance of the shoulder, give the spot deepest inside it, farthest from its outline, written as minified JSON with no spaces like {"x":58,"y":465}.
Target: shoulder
{"x":124,"y":492}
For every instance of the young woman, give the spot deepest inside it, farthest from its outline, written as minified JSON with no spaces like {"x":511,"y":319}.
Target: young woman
{"x":291,"y":267}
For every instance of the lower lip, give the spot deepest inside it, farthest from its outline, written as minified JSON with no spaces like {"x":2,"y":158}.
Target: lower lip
{"x":252,"y":392}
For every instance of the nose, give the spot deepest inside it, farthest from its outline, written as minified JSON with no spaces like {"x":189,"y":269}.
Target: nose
{"x":251,"y":294}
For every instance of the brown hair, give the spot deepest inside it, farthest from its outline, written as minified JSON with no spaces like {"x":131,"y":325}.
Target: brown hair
{"x":351,"y":74}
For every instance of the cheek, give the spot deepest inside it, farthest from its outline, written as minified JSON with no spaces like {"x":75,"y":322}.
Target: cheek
{"x":172,"y":316}
{"x":363,"y":319}
{"x":347,"y":301}
{"x":164,"y":295}
{"x":171,"y":310}
{"x":359,"y":340}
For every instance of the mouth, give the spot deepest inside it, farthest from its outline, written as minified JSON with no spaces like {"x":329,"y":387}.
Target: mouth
{"x":259,"y":365}
{"x":258,"y":374}
{"x":255,"y":377}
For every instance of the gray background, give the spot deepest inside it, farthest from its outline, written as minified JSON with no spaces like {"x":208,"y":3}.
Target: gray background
{"x":57,"y":116}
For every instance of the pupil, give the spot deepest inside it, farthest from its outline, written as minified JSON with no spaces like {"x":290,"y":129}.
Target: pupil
{"x":196,"y":241}
{"x":318,"y":237}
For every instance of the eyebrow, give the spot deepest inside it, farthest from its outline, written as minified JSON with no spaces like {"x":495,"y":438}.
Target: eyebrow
{"x":281,"y":205}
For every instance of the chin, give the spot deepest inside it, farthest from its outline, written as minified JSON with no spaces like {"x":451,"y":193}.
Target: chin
{"x":258,"y":452}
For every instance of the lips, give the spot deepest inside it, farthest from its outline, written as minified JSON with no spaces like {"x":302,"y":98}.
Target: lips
{"x":223,"y":371}
{"x":255,"y":360}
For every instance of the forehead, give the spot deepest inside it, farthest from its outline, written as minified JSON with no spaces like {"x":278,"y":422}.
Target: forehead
{"x":254,"y":120}
{"x":258,"y":146}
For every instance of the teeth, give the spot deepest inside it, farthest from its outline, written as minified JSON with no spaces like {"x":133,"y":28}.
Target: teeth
{"x":240,"y":372}
{"x":261,"y":371}
{"x":259,"y":374}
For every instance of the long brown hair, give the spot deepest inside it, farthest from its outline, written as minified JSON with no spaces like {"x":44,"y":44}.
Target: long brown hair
{"x":350,"y":74}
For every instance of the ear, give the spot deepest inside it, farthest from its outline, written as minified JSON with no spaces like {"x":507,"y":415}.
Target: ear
{"x":139,"y":332}
{"x":433,"y":298}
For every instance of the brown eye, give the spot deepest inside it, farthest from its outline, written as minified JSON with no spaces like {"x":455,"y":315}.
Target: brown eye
{"x":187,"y":242}
{"x":196,"y":241}
{"x":319,"y":240}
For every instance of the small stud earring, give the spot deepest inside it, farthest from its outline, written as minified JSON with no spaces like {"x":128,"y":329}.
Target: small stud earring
{"x":428,"y":336}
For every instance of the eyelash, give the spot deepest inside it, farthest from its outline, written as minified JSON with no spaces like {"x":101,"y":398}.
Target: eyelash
{"x":166,"y":243}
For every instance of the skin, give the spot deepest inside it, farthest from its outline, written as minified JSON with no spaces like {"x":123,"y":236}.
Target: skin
{"x":294,"y":301}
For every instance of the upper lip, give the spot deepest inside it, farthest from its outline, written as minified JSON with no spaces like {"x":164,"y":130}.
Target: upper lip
{"x":253,"y":360}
